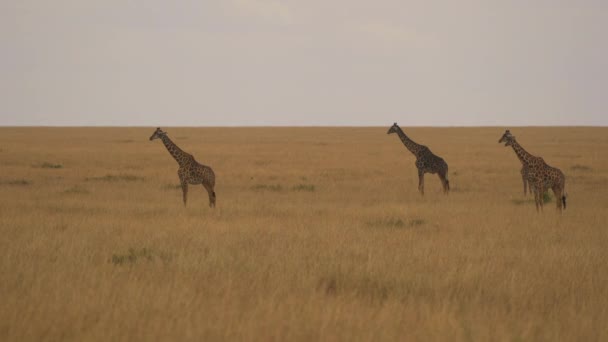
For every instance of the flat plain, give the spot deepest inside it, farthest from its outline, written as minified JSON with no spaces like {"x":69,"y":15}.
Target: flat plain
{"x":318,"y":234}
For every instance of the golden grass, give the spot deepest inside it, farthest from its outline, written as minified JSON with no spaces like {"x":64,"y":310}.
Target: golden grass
{"x":318,"y":234}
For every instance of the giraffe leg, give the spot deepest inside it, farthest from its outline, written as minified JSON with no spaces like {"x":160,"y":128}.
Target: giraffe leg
{"x":211,"y":193}
{"x":444,"y":183}
{"x":541,"y":196}
{"x":536,"y":195}
{"x":557,"y":191}
{"x":184,"y":183}
{"x":185,"y":192}
{"x":524,"y":178}
{"x":563,"y":199}
{"x":421,"y":182}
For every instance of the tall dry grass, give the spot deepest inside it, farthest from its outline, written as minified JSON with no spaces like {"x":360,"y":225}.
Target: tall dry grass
{"x":319,"y":234}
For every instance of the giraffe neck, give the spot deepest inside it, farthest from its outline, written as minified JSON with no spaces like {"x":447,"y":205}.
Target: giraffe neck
{"x":173,"y":149}
{"x":409,"y":143}
{"x":522,"y":154}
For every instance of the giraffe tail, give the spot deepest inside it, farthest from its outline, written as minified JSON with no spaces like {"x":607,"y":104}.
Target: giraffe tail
{"x":447,"y":181}
{"x":564,"y":194}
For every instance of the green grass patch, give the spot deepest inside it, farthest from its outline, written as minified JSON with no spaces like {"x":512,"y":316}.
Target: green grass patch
{"x":547,"y":198}
{"x":77,"y":190}
{"x":172,"y":186}
{"x":116,"y":178}
{"x":579,"y":167}
{"x":455,"y":188}
{"x":267,"y":187}
{"x":133,"y":256}
{"x":303,"y":187}
{"x":518,"y":201}
{"x":396,"y":222}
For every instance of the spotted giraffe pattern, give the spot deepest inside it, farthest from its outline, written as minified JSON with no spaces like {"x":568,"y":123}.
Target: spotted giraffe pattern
{"x":190,"y":171}
{"x":426,"y":161}
{"x":539,"y":175}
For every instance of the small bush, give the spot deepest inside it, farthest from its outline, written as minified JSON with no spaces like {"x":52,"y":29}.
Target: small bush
{"x":394,"y":223}
{"x":267,"y":187}
{"x":47,"y":165}
{"x":132,"y":256}
{"x":367,"y":288}
{"x":116,"y":178}
{"x":17,"y":182}
{"x":416,"y":222}
{"x":303,"y":187}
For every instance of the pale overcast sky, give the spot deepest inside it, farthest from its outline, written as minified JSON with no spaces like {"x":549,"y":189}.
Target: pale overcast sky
{"x":307,"y":62}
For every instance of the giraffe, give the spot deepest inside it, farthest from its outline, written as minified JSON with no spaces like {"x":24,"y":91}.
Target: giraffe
{"x":539,"y":175}
{"x":190,"y":171}
{"x":426,"y":161}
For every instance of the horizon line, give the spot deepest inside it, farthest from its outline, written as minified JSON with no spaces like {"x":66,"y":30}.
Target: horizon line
{"x":293,"y":126}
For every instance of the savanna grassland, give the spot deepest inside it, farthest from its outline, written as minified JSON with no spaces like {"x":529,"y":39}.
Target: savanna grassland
{"x":318,"y":234}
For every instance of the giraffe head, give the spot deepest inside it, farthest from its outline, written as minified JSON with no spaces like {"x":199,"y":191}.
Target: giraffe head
{"x":394,"y":128}
{"x":158,"y":133}
{"x":507,"y":138}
